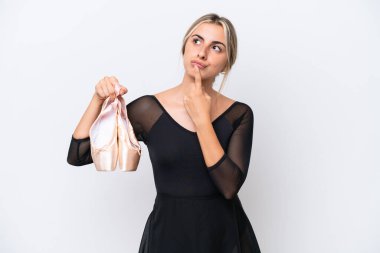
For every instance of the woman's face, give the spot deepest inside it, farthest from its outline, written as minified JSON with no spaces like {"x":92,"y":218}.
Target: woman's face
{"x":206,"y":45}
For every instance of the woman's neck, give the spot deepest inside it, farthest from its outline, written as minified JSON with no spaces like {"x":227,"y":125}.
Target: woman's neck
{"x":188,"y":82}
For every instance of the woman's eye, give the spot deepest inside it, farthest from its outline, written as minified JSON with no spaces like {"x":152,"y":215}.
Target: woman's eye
{"x":219,"y":49}
{"x":194,"y":40}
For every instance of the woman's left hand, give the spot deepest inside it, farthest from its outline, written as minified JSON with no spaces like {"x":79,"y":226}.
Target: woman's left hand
{"x":198,"y":102}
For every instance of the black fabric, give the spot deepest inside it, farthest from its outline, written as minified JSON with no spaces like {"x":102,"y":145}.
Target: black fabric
{"x":196,"y":208}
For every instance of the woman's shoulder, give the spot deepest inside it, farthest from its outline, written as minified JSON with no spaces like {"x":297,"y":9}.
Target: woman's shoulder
{"x":139,"y":99}
{"x":141,"y":105}
{"x":236,"y":105}
{"x":239,"y":112}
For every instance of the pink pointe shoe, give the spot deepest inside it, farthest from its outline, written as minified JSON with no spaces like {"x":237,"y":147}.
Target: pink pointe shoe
{"x":103,"y":137}
{"x":113,"y":139}
{"x":129,"y":147}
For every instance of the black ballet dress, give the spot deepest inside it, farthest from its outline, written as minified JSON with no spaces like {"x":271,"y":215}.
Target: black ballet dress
{"x":196,"y":209}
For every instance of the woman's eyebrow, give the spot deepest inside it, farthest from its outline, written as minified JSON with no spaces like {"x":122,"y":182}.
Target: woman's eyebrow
{"x":215,"y":41}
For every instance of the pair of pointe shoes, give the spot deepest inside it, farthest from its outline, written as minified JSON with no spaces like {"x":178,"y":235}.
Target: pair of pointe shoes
{"x":112,"y":138}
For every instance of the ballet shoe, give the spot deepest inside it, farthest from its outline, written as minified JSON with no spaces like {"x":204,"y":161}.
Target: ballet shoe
{"x":128,"y":145}
{"x":103,"y":137}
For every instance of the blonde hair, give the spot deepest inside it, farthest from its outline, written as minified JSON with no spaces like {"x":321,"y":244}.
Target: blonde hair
{"x":229,"y":33}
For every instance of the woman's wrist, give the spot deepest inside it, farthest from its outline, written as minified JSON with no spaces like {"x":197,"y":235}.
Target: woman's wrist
{"x":97,"y":100}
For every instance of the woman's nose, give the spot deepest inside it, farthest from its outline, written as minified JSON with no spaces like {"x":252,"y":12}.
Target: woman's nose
{"x":202,"y":53}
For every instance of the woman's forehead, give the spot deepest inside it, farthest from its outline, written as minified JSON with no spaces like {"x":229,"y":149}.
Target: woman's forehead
{"x":210,"y":32}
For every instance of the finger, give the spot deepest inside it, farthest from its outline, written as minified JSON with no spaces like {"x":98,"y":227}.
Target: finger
{"x":123,"y":90}
{"x":103,"y":89}
{"x":99,"y":91}
{"x":198,"y":78}
{"x":114,"y":80}
{"x":110,"y":89}
{"x":103,"y":92}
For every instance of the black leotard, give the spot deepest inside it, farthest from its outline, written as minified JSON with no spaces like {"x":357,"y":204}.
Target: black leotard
{"x":197,"y":209}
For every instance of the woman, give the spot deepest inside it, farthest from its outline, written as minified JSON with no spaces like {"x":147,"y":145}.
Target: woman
{"x":199,"y":143}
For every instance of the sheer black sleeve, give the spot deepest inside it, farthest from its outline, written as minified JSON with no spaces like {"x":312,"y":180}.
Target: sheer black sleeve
{"x":79,"y":152}
{"x":230,"y":171}
{"x":140,"y":113}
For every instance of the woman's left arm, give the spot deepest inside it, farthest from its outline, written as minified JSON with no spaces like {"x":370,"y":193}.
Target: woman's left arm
{"x":228,"y":169}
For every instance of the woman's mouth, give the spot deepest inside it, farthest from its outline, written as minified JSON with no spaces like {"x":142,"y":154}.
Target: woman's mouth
{"x":200,"y":66}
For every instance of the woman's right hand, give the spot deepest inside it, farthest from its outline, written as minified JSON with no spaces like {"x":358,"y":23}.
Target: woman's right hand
{"x":106,"y":88}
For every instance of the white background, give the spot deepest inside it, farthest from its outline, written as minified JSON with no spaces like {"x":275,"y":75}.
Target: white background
{"x":308,"y":69}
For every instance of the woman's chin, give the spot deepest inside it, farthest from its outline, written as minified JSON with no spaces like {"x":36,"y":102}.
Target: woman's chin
{"x":191,"y":73}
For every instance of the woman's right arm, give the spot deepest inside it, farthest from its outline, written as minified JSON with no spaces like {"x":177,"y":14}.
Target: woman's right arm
{"x":88,"y":118}
{"x":79,"y":153}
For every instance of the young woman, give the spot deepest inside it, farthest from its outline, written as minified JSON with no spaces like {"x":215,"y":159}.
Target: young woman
{"x":199,"y":143}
